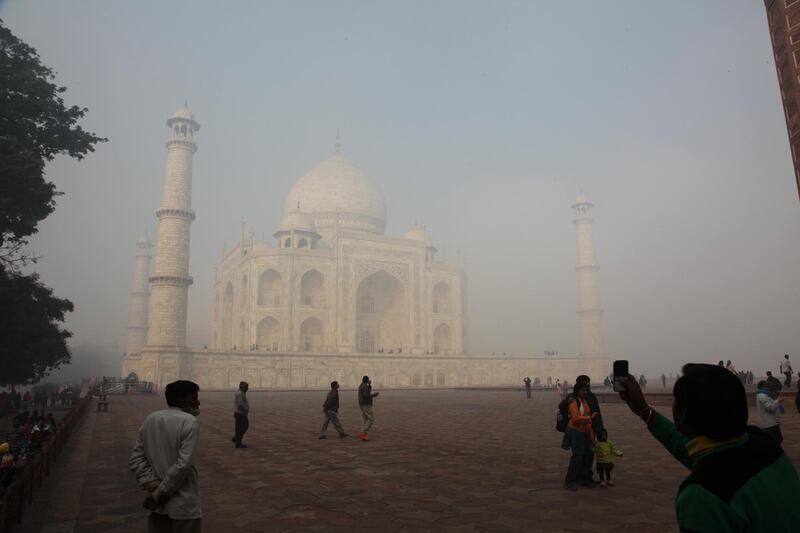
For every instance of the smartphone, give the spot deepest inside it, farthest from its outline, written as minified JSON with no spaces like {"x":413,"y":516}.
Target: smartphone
{"x":620,"y":369}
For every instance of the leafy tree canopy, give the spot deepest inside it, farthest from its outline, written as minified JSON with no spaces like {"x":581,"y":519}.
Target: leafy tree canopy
{"x":35,"y":126}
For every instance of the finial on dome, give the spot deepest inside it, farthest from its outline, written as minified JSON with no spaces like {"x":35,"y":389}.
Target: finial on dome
{"x":298,"y":205}
{"x":185,"y":102}
{"x":338,"y":142}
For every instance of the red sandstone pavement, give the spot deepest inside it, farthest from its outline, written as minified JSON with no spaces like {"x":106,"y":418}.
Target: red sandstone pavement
{"x":440,"y":460}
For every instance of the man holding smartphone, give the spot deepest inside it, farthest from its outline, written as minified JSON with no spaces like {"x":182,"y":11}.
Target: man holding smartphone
{"x":740,"y":480}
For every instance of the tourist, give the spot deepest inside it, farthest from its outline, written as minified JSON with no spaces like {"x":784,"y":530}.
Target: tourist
{"x":642,"y":381}
{"x":770,"y":408}
{"x":330,"y":412}
{"x":163,"y":462}
{"x":604,"y":453}
{"x":240,"y":414}
{"x":721,"y":363}
{"x":797,"y":397}
{"x":527,"y":382}
{"x":786,"y":370}
{"x":578,"y":438}
{"x":663,"y":381}
{"x":729,"y":366}
{"x":594,"y":403}
{"x":741,"y":480}
{"x":773,"y":382}
{"x":365,"y":396}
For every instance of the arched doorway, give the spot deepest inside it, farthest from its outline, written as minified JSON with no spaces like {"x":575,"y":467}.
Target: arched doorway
{"x":381,"y":314}
{"x":441,"y":298}
{"x":311,"y":339}
{"x":441,"y":339}
{"x":311,"y":289}
{"x":268,"y":335}
{"x":270,"y":288}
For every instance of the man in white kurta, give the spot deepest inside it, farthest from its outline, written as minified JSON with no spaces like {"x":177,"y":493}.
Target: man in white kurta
{"x":163,"y":462}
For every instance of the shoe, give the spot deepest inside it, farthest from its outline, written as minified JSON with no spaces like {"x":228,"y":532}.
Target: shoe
{"x":610,"y":483}
{"x":323,"y":437}
{"x":588,"y":484}
{"x":602,"y":483}
{"x":570,"y":486}
{"x":364,"y":437}
{"x":241,"y":446}
{"x":343,"y":435}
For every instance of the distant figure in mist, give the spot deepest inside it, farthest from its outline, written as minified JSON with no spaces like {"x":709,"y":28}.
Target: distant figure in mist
{"x":330,"y":410}
{"x":163,"y":462}
{"x":740,"y":480}
{"x":773,"y":382}
{"x":241,"y":412}
{"x":643,"y":381}
{"x":365,"y":396}
{"x":797,"y":397}
{"x":721,"y":363}
{"x":770,"y":409}
{"x":578,"y":438}
{"x":786,"y":370}
{"x":527,"y":382}
{"x":663,"y":381}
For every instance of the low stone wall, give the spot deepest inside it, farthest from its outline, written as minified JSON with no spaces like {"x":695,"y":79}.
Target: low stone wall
{"x":265,"y":370}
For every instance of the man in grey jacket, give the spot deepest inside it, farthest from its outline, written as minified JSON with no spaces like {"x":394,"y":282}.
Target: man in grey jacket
{"x":241,"y":411}
{"x":163,"y":462}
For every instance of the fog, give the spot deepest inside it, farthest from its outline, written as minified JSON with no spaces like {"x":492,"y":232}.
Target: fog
{"x":482,"y":120}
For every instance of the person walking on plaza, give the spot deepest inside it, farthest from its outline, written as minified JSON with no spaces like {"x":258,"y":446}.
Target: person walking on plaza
{"x":330,"y":411}
{"x":527,"y":382}
{"x":770,"y":408}
{"x":365,"y":396}
{"x":240,"y":414}
{"x":740,"y":480}
{"x":786,"y":370}
{"x":163,"y":462}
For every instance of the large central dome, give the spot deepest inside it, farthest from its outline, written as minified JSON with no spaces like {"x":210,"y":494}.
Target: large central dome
{"x":334,"y":186}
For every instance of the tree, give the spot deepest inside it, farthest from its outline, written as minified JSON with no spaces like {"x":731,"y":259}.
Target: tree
{"x":35,"y":127}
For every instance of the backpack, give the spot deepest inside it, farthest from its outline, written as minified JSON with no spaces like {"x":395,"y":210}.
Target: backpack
{"x":562,"y":415}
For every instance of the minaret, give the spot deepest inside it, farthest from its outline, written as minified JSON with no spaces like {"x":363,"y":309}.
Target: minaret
{"x":170,"y":280}
{"x":137,"y":323}
{"x":589,"y":309}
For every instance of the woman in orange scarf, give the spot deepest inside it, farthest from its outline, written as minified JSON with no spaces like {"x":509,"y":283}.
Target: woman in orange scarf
{"x":578,"y":438}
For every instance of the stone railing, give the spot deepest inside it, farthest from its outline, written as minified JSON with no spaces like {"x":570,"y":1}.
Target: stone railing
{"x":18,"y":495}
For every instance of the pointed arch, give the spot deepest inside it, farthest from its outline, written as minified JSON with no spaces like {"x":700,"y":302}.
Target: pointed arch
{"x":312,"y":286}
{"x":441,"y":339}
{"x":270,"y":288}
{"x":227,"y":318}
{"x":311,"y":335}
{"x":381,"y":313}
{"x":441,"y":297}
{"x":268,"y":332}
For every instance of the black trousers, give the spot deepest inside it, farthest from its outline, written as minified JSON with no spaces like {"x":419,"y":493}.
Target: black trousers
{"x":241,"y":425}
{"x":604,"y":470}
{"x":788,"y":381}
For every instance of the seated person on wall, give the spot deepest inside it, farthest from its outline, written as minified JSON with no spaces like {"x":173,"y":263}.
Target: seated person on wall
{"x":740,"y":480}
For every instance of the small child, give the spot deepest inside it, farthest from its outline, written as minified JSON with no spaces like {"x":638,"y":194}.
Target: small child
{"x":604,"y":453}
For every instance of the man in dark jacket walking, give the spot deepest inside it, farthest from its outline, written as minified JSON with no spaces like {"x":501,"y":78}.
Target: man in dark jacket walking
{"x":330,"y":410}
{"x":365,"y":396}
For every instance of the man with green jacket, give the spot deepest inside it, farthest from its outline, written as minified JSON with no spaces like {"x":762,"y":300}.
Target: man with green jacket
{"x":740,"y":480}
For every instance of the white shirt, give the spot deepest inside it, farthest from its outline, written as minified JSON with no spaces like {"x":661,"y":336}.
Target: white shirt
{"x":786,"y":366}
{"x":165,"y":452}
{"x":240,"y":403}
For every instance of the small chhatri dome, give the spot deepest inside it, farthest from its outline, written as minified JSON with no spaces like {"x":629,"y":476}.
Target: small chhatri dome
{"x":419,"y":233}
{"x":336,"y":189}
{"x":143,"y":241}
{"x":183,"y":114}
{"x":298,"y":221}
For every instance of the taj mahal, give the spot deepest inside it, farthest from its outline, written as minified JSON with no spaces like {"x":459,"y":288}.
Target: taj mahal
{"x":329,"y":297}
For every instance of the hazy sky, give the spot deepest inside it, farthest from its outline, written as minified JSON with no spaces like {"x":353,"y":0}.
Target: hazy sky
{"x":482,"y":119}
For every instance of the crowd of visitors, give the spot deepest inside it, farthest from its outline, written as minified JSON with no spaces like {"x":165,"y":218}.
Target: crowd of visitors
{"x":28,"y":433}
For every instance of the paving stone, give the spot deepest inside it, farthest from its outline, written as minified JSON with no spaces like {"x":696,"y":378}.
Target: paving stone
{"x":445,"y":459}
